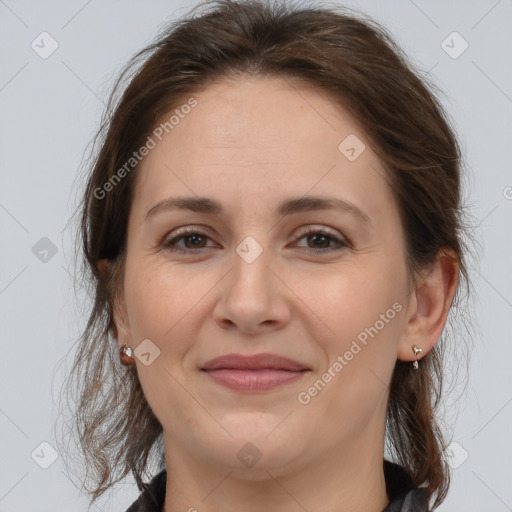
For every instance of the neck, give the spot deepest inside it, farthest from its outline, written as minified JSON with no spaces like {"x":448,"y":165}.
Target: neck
{"x":344,"y":479}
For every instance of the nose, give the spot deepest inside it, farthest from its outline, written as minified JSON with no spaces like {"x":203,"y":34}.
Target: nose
{"x":252,"y":298}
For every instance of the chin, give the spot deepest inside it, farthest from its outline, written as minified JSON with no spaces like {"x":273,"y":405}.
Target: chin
{"x":253,"y":452}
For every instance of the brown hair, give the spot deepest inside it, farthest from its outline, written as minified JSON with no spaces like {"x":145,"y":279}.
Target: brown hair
{"x":356,"y":60}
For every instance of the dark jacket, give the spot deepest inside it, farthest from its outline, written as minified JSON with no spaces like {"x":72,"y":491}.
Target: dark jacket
{"x":404,"y":498}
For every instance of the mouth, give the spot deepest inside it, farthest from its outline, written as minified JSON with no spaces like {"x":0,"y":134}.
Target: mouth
{"x":257,"y":373}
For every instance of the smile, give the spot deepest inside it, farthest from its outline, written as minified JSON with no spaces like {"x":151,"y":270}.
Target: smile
{"x":244,"y":380}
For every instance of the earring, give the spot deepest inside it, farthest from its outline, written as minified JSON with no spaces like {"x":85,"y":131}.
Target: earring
{"x":125,"y":354}
{"x":417,"y":350}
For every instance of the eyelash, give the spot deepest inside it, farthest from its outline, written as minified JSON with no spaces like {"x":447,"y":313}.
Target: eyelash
{"x":170,"y":245}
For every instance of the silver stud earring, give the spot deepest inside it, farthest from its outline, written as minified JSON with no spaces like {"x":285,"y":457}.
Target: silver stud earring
{"x":126,"y":355}
{"x":417,"y":350}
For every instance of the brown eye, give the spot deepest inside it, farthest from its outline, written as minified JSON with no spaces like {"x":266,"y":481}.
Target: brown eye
{"x":196,"y":241}
{"x":192,"y":240}
{"x":321,"y":241}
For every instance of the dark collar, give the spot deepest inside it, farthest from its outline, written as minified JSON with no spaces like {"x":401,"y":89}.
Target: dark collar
{"x":404,"y":498}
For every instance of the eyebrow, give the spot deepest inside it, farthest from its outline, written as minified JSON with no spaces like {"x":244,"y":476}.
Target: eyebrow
{"x":287,"y":207}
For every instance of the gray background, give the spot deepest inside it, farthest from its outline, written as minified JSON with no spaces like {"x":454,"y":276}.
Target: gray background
{"x":50,"y":109}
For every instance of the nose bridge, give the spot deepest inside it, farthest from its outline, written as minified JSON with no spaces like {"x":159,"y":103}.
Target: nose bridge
{"x":250,"y":294}
{"x":251,"y":276}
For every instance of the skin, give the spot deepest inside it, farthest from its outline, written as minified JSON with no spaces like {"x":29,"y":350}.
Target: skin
{"x":250,"y":144}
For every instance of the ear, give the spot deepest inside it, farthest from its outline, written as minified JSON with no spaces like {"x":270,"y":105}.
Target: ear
{"x":121,"y":325}
{"x":428,"y":307}
{"x":103,"y":265}
{"x":120,"y":329}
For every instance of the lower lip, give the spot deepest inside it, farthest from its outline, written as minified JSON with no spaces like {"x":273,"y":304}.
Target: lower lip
{"x":253,"y":380}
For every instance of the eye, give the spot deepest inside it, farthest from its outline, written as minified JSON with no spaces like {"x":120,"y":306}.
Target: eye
{"x":321,"y":240}
{"x":193,"y":240}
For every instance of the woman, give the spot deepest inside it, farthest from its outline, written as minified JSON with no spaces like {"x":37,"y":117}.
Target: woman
{"x":273,"y":225}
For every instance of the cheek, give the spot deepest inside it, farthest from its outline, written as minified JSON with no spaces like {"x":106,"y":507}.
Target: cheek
{"x":354,"y":299}
{"x":364,"y":308}
{"x":160,"y":297}
{"x":162,"y":303}
{"x":364,"y":311}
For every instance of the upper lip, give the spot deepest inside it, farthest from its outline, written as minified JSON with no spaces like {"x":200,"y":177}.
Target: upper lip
{"x":254,"y":362}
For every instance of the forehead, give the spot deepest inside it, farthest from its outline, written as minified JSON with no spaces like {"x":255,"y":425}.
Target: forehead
{"x":274,"y":114}
{"x":260,"y":135}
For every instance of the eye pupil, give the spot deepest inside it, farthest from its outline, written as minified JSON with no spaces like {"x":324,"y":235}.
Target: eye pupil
{"x":195,"y":239}
{"x":323,"y":239}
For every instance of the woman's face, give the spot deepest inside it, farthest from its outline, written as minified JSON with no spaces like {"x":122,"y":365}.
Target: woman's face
{"x":324,"y":286}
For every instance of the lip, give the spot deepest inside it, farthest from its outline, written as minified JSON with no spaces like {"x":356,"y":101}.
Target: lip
{"x":260,"y":372}
{"x":262,"y":361}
